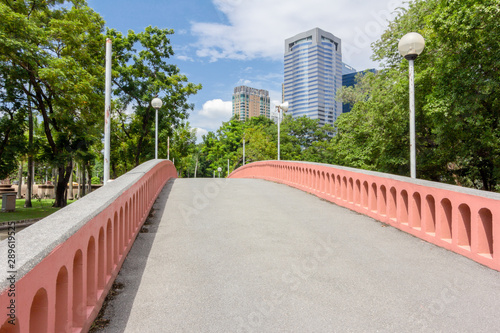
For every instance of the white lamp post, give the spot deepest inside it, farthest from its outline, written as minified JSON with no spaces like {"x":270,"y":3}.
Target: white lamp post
{"x":283,"y":107}
{"x":156,"y":103}
{"x":107,"y":111}
{"x":410,"y":46}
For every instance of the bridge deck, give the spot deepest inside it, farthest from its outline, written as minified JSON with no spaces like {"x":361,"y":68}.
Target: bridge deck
{"x":244,"y":255}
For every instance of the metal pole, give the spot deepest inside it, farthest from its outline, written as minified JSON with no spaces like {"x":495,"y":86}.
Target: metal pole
{"x":228,"y":167}
{"x":168,"y":148}
{"x":156,"y":135}
{"x":279,"y":134}
{"x":413,"y":168}
{"x":107,"y":112}
{"x":243,"y":151}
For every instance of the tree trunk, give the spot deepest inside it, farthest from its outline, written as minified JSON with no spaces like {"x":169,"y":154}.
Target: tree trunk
{"x":20,"y":179}
{"x":62,"y":184}
{"x":70,"y":195}
{"x":31,"y":174}
{"x":29,"y":182}
{"x":79,"y":179}
{"x":83,"y":180}
{"x":89,"y":172}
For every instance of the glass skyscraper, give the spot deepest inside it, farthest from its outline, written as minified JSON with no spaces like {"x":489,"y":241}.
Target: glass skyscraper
{"x":313,"y":73}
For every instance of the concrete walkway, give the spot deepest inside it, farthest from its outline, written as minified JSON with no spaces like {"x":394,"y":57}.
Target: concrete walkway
{"x":245,"y":255}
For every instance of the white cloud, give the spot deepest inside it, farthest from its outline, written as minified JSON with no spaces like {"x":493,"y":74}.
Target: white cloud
{"x":199,"y":133}
{"x":185,"y":58}
{"x":244,"y":82}
{"x":217,"y":109}
{"x":258,"y":28}
{"x":211,"y":116}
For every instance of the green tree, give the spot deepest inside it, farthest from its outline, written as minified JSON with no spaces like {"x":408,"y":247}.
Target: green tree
{"x":141,"y":72}
{"x":303,"y":139}
{"x":457,"y":100}
{"x":56,"y":47}
{"x":182,"y":147}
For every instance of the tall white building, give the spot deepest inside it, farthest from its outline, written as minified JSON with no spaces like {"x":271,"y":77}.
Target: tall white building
{"x":313,"y":74}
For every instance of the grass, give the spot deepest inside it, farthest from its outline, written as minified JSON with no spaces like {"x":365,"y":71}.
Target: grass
{"x":39,"y":210}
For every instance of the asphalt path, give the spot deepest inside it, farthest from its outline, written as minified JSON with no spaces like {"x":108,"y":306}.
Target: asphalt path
{"x":244,"y":255}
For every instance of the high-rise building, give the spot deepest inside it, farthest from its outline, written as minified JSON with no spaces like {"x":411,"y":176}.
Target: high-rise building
{"x":349,"y":80}
{"x":250,"y":102}
{"x":313,"y":73}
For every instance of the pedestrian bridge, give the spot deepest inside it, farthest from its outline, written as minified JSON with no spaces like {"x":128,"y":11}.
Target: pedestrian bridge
{"x":250,"y":254}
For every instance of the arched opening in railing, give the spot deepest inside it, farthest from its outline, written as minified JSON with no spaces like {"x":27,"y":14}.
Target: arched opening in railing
{"x":344,"y":188}
{"x":323,"y":182}
{"x":416,"y":212}
{"x":116,"y":234}
{"x":39,"y":312}
{"x":109,"y":248}
{"x":350,"y":191}
{"x":79,"y":309}
{"x":383,"y":201}
{"x":364,"y":195}
{"x":373,"y":198}
{"x":91,"y":273}
{"x":393,"y":214}
{"x":101,"y":265}
{"x":127,"y":221}
{"x":464,"y":226}
{"x":403,"y":210}
{"x":485,"y":233}
{"x":10,"y":326}
{"x":357,"y":193}
{"x":446,"y":220}
{"x":328,"y":185}
{"x":430,"y":215}
{"x":332,"y":185}
{"x":62,"y":287}
{"x":122,"y":233}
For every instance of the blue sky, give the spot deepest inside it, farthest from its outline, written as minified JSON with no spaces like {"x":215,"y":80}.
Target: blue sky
{"x":225,"y":43}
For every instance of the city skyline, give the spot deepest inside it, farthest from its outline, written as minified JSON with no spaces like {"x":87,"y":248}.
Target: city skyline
{"x":223,"y":44}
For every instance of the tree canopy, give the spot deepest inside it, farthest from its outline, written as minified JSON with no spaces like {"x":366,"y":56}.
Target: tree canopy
{"x":457,"y":99}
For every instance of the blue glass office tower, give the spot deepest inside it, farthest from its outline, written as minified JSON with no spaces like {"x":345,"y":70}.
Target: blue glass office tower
{"x":313,"y":73}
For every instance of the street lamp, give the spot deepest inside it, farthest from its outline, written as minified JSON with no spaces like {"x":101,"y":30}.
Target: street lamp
{"x":219,"y":169}
{"x":410,"y":46}
{"x":156,"y":103}
{"x":283,"y":107}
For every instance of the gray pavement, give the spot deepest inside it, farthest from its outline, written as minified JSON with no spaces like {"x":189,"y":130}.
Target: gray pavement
{"x":244,"y":255}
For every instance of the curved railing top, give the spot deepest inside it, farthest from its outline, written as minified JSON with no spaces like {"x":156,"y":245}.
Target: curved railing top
{"x":421,"y":182}
{"x":35,"y":243}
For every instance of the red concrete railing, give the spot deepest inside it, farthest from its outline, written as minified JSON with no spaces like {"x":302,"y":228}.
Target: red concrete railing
{"x":66,"y":263}
{"x":462,"y":220}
